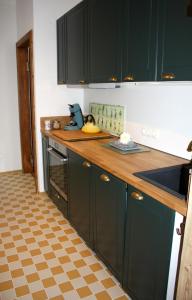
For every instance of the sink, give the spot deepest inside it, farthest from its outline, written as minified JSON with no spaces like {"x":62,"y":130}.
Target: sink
{"x":168,"y":179}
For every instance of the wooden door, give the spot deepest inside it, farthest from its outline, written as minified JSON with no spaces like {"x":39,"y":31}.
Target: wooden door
{"x":149,"y":232}
{"x":109,"y":215}
{"x":24,"y":49}
{"x":105,"y":19}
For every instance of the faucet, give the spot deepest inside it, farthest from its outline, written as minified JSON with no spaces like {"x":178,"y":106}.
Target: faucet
{"x":189,"y":148}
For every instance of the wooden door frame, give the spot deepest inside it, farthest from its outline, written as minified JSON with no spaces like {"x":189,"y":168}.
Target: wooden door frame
{"x":27,"y":40}
{"x":184,"y":287}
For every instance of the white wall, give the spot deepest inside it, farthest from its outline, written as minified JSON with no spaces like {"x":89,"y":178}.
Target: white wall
{"x":10,"y":156}
{"x":51,"y":99}
{"x":24,"y":11}
{"x":165,"y":108}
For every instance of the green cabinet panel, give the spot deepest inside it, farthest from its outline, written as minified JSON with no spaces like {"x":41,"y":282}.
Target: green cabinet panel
{"x":105,"y":24}
{"x":45,"y":142}
{"x":58,"y":200}
{"x":175,"y":42}
{"x":79,"y":196}
{"x":125,"y":40}
{"x":76,"y":38}
{"x":149,"y":232}
{"x":139,"y":39}
{"x":61,"y":50}
{"x":109,"y":219}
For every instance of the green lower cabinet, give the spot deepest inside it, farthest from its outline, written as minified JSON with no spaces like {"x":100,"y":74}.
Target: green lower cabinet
{"x":79,"y":196}
{"x":58,"y":200}
{"x":128,"y":230}
{"x":149,"y":231}
{"x":109,"y":219}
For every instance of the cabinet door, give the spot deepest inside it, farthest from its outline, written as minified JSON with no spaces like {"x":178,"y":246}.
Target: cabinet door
{"x":59,"y":201}
{"x":61,"y":50}
{"x":149,"y":231}
{"x":139,"y":39}
{"x":175,"y":59}
{"x":45,"y":143}
{"x":76,"y":20}
{"x":79,"y":195}
{"x":105,"y":19}
{"x":109,"y":212}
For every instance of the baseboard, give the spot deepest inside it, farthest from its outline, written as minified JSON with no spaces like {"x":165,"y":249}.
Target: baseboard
{"x":15,"y":172}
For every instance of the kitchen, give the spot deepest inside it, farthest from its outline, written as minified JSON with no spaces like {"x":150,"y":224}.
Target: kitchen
{"x":164,"y":107}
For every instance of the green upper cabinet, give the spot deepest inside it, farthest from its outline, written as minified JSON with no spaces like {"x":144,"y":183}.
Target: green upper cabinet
{"x":76,"y":39}
{"x":126,"y":40}
{"x":109,"y":218}
{"x":139,"y":40}
{"x":149,"y":232}
{"x":175,"y":40}
{"x":61,"y":50}
{"x":105,"y":19}
{"x":79,"y":196}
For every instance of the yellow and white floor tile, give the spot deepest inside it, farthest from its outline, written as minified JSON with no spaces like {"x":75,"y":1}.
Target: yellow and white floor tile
{"x":41,"y":255}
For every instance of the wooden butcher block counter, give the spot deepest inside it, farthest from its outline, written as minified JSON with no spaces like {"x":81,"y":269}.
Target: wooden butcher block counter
{"x":123,"y":166}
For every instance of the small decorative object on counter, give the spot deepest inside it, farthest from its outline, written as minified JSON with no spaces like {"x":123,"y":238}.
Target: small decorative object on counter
{"x":108,"y":117}
{"x":76,"y":117}
{"x":56,"y":124}
{"x":89,"y":126}
{"x":48,"y":125}
{"x":125,"y":138}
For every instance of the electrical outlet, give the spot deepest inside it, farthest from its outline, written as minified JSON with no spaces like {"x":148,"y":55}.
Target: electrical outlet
{"x":150,"y":132}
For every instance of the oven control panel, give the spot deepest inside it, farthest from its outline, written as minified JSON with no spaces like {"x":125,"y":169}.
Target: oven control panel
{"x":59,"y":147}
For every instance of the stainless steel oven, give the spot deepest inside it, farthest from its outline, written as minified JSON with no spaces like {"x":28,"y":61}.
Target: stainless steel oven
{"x":58,"y":175}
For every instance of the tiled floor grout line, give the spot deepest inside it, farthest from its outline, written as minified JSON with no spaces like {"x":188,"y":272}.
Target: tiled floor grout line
{"x":41,"y":255}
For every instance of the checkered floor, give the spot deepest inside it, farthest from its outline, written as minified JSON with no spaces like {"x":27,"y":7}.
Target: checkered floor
{"x":41,"y":255}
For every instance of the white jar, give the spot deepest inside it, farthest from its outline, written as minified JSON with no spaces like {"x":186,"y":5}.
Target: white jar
{"x":47,"y":124}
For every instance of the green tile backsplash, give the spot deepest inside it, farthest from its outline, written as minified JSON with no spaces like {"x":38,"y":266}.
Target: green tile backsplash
{"x":108,"y":117}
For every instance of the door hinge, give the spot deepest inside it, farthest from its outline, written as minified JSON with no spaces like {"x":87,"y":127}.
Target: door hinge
{"x":32,"y":160}
{"x":28,"y":59}
{"x":28,"y":66}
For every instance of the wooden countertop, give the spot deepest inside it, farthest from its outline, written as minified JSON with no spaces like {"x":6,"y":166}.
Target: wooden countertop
{"x":123,"y":166}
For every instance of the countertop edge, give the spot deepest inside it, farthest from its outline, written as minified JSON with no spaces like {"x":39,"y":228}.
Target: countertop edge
{"x":158,"y":194}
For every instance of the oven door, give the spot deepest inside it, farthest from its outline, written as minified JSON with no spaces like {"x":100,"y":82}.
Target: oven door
{"x":58,"y":172}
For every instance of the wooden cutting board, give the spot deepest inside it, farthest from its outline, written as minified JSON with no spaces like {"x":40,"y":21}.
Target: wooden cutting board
{"x":78,"y":135}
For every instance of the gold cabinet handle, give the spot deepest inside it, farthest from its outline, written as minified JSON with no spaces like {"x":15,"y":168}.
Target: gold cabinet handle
{"x":61,"y":82}
{"x":82,"y":81}
{"x":105,"y":178}
{"x":86,"y":164}
{"x":113,"y":79}
{"x":168,"y":76}
{"x":137,"y":196}
{"x":129,"y":77}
